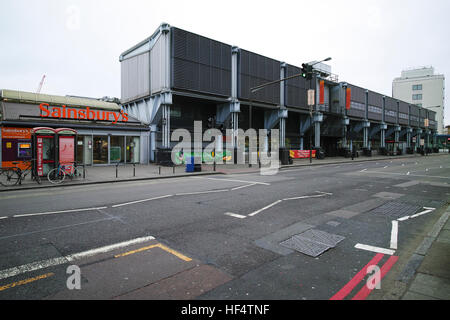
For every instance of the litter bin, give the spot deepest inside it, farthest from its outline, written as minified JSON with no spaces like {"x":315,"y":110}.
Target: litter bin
{"x":284,"y":156}
{"x":190,"y":164}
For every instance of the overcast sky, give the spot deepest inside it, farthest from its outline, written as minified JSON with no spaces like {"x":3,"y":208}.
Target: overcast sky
{"x":77,"y":43}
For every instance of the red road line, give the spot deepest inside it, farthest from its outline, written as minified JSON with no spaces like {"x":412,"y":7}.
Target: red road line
{"x":356,"y":279}
{"x":365,"y":291}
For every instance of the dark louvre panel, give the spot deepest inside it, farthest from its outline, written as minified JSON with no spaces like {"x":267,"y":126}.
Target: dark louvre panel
{"x":391,"y":110}
{"x":403,"y":113}
{"x":358,"y":102}
{"x":200,"y":64}
{"x":295,"y":88}
{"x":432,"y":118}
{"x":423,"y":115}
{"x":414,"y":116}
{"x":255,"y":70}
{"x":431,"y":115}
{"x":375,"y":108}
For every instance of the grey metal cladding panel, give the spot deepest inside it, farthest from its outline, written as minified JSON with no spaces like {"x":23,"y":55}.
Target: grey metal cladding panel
{"x":358,"y":94}
{"x":374,"y":116}
{"x":431,"y":115}
{"x":135,"y":77}
{"x":403,"y":107}
{"x":414,"y":110}
{"x":255,"y":70}
{"x":391,"y":104}
{"x":423,"y":113}
{"x":356,"y":113}
{"x":391,"y":120}
{"x":200,"y":64}
{"x":375,"y":99}
{"x":402,"y":121}
{"x":156,"y":67}
{"x":144,"y":73}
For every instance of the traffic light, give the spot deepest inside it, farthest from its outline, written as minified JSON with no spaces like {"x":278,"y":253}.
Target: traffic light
{"x":304,"y":70}
{"x":307,"y":71}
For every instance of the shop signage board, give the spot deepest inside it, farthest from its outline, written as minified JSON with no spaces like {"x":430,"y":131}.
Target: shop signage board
{"x":16,"y":133}
{"x":87,"y":113}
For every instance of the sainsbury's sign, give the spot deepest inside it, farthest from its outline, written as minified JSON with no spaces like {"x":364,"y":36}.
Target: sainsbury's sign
{"x":82,"y":113}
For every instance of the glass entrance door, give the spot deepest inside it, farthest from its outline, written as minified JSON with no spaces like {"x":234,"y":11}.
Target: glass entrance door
{"x":100,"y":150}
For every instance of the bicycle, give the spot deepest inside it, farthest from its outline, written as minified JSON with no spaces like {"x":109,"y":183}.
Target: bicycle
{"x":58,"y":174}
{"x":12,"y":176}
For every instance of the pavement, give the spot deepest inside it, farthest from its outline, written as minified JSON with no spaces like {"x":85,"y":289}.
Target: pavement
{"x":130,"y":172}
{"x":432,"y":278}
{"x":426,"y":275}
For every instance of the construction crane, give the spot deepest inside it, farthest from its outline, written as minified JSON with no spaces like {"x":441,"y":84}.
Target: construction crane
{"x":40,"y":84}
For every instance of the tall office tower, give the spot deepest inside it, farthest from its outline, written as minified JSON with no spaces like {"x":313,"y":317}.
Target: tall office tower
{"x":424,"y":88}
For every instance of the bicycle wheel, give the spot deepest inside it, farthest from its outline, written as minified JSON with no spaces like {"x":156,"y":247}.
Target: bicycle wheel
{"x":9,"y":177}
{"x":56,"y":176}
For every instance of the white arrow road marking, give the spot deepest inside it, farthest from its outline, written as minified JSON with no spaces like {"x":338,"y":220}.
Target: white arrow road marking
{"x":374,"y":249}
{"x":322,"y":194}
{"x":201,"y":192}
{"x":234,"y":180}
{"x":394,"y":234}
{"x":262,"y":209}
{"x":231,"y":214}
{"x":139,"y":201}
{"x":427,"y":210}
{"x":244,"y":186}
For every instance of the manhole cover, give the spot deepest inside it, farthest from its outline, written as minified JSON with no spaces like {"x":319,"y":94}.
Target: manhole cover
{"x":312,"y":242}
{"x":395,"y":209}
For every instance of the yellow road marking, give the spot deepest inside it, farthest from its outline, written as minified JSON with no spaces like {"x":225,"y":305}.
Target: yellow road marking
{"x":26,"y":281}
{"x":135,"y":251}
{"x":175,"y":253}
{"x":158,"y":245}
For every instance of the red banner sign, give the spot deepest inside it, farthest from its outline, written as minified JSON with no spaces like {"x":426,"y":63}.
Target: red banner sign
{"x":301,"y":154}
{"x":322,"y":92}
{"x":348,"y":99}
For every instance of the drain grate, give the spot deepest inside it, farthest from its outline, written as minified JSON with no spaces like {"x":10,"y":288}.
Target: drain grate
{"x":312,"y":242}
{"x":396,"y":209}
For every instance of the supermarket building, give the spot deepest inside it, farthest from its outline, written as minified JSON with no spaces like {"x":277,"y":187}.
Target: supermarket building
{"x":105,"y":133}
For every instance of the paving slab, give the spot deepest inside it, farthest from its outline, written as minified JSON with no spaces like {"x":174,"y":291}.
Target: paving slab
{"x":346,"y":214}
{"x":431,"y":286}
{"x":185,"y":285}
{"x":437,"y":260}
{"x":416,"y":296}
{"x":444,"y":236}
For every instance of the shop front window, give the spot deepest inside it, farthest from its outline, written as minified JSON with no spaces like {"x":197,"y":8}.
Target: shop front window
{"x":132,"y":146}
{"x":100,"y":150}
{"x":116,"y":149}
